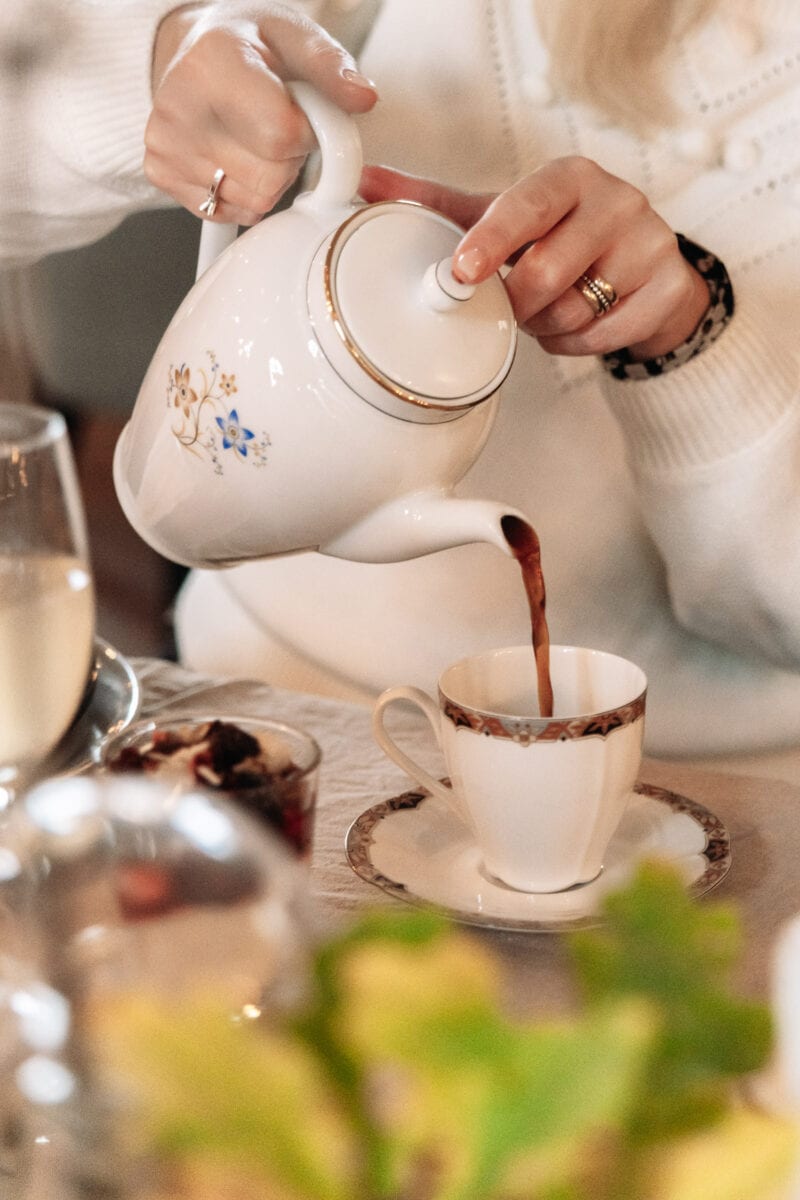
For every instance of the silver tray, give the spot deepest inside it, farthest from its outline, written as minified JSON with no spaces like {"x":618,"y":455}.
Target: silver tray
{"x":110,"y":703}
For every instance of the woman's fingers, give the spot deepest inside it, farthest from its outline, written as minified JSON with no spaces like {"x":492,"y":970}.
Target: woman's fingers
{"x":666,"y":307}
{"x":250,"y":187}
{"x":571,"y":219}
{"x":524,"y":213}
{"x":545,"y":282}
{"x":220,"y":102}
{"x":297,"y":48}
{"x":384,"y":183}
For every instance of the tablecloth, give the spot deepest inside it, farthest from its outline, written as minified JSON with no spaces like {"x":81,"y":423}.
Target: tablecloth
{"x":758,"y":799}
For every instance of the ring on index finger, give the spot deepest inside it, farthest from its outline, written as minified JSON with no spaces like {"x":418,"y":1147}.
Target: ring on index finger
{"x":598,"y":293}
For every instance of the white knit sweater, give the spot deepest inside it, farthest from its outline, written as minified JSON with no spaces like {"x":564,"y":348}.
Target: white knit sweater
{"x":72,"y":120}
{"x":669,"y":510}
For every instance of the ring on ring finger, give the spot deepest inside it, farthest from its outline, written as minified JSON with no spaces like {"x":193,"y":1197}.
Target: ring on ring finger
{"x":600,"y":295}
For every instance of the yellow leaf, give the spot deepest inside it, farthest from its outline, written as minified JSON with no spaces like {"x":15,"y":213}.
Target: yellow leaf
{"x":389,"y":987}
{"x":197,"y":1083}
{"x":748,"y":1156}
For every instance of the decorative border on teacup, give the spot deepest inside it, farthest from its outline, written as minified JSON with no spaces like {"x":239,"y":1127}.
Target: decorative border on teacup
{"x":543,"y":729}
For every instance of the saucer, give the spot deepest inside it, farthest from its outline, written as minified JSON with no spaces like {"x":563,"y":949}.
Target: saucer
{"x":415,"y":848}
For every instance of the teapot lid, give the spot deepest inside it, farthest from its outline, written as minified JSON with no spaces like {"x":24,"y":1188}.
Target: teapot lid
{"x":403,"y":332}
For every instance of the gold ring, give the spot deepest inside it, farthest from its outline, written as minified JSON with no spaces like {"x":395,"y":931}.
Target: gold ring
{"x":209,"y":205}
{"x":598,"y":292}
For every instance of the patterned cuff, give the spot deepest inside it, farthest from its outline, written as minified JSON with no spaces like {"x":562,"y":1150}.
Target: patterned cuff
{"x":620,"y":363}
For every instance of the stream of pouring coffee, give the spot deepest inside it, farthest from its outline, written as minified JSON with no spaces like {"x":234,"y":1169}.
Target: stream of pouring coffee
{"x":525,"y":547}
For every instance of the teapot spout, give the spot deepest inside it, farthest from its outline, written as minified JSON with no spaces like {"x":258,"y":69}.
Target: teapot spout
{"x":420,"y":524}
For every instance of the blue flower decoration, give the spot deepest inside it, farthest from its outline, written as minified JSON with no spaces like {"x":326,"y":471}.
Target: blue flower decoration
{"x":234,"y":435}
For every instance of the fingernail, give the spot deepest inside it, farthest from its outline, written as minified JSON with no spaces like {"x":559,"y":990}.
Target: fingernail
{"x":358,"y":79}
{"x":469,"y":264}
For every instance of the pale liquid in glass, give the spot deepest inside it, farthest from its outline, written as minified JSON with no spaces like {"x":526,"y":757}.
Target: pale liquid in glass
{"x":46,"y":639}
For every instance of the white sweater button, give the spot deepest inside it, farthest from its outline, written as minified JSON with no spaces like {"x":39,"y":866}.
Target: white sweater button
{"x":696,"y":146}
{"x":536,"y":88}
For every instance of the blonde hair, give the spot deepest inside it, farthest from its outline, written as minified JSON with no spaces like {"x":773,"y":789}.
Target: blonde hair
{"x":612,"y":53}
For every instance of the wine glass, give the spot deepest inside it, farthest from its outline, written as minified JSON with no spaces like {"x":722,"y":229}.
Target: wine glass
{"x":46,"y":591}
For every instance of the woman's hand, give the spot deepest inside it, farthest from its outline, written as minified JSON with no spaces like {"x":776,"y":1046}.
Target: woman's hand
{"x":219,"y":102}
{"x":570,"y":218}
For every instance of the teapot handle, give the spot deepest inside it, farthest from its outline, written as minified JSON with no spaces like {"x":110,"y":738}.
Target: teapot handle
{"x":342,"y":159}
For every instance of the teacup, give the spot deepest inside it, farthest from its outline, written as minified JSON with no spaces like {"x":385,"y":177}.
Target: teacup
{"x":542,"y":795}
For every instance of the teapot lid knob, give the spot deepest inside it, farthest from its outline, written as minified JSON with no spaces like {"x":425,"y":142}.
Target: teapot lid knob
{"x":440,"y":288}
{"x":396,"y":323}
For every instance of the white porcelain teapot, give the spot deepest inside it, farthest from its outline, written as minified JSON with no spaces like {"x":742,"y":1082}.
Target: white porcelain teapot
{"x":324,"y":385}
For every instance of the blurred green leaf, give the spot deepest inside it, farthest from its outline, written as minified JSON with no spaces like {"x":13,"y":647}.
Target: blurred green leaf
{"x":659,"y":944}
{"x":232,"y":1092}
{"x":415,"y":1003}
{"x":566,"y":1086}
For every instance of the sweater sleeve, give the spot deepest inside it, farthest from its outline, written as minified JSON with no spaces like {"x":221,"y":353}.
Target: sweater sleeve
{"x":714,"y":448}
{"x":73,"y":134}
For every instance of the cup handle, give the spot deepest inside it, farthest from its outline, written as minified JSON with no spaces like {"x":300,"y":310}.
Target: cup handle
{"x":390,"y":748}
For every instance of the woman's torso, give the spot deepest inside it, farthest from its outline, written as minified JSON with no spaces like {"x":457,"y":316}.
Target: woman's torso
{"x":466,"y":99}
